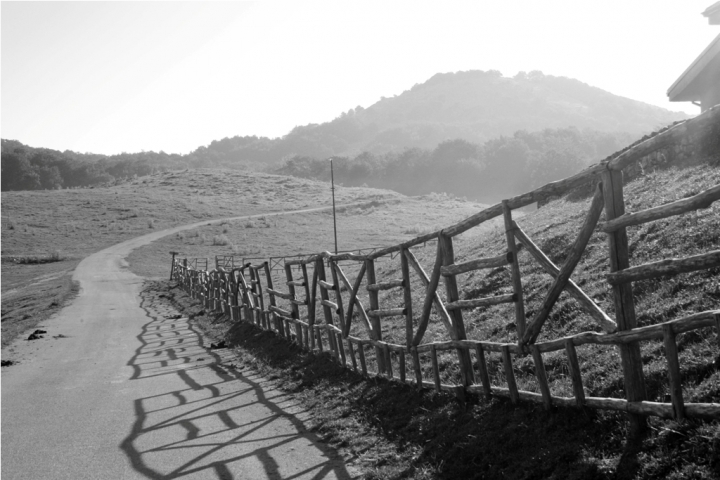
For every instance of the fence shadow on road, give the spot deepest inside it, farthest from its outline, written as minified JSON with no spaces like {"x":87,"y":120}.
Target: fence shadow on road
{"x":205,"y":417}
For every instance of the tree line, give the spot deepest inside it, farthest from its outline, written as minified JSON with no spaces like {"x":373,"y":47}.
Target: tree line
{"x":503,"y":166}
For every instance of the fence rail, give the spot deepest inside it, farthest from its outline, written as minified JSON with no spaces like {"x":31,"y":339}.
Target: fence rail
{"x":248,"y":293}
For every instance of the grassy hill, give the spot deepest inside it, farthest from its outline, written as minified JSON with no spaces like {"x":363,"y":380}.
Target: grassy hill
{"x":473,"y":106}
{"x":46,"y":233}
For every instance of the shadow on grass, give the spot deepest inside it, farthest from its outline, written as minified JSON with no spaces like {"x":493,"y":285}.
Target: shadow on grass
{"x":221,"y":423}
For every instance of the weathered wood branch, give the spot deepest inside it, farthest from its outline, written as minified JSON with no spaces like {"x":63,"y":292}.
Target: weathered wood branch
{"x":542,"y":377}
{"x":391,"y":312}
{"x":710,"y":411}
{"x":696,"y":202}
{"x":376,"y":287}
{"x":353,"y":298}
{"x":354,"y":301}
{"x":671,"y":353}
{"x":338,"y":296}
{"x":280,"y":311}
{"x":510,"y":374}
{"x":410,"y":243}
{"x":483,"y":370}
{"x":575,"y":374}
{"x":277,"y":293}
{"x":481,"y":263}
{"x":430,"y":297}
{"x":650,"y":332}
{"x":572,"y":259}
{"x":514,"y":271}
{"x":407,"y":299}
{"x":326,"y":285}
{"x":603,"y":319}
{"x":328,"y":303}
{"x":670,"y":266}
{"x":439,"y":306}
{"x":481,"y":302}
{"x":663,"y":139}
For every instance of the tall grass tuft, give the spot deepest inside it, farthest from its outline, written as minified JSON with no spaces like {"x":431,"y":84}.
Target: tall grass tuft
{"x":220,"y":240}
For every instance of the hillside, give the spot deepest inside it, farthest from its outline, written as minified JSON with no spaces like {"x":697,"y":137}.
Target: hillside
{"x":474,"y":105}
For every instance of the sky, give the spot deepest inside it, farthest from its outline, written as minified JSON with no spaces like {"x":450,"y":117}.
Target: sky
{"x":112,"y":77}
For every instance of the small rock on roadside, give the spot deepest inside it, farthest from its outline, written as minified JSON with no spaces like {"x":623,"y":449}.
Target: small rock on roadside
{"x":37,"y":334}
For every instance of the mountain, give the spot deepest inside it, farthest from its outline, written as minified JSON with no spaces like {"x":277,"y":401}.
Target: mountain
{"x":500,"y":116}
{"x":474,"y":106}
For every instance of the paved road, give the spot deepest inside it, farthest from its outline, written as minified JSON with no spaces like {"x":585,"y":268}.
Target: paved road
{"x":130,"y":390}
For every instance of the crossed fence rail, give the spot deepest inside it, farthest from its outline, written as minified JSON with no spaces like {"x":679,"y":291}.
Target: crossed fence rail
{"x":248,"y":293}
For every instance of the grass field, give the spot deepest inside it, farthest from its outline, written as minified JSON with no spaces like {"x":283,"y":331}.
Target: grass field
{"x":369,"y":225}
{"x":71,"y":224}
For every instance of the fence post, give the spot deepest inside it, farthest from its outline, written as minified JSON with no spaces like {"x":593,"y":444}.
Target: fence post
{"x":623,"y":297}
{"x":407,"y":297}
{"x":515,"y":271}
{"x":374,"y":320}
{"x":264,"y":320}
{"x":172,"y":265}
{"x":291,"y":290}
{"x":458,"y":326}
{"x":269,"y":283}
{"x":327,"y":312}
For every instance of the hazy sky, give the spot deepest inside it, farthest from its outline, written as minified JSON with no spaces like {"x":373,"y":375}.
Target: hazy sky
{"x":108,"y":77}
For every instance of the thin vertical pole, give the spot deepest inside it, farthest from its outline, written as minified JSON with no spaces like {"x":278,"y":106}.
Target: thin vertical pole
{"x":332,"y":187}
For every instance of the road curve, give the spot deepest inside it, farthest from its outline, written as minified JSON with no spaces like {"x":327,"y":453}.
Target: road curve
{"x":123,"y":387}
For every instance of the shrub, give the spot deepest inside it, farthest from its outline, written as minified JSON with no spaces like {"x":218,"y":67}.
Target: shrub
{"x":35,"y":259}
{"x":220,"y":240}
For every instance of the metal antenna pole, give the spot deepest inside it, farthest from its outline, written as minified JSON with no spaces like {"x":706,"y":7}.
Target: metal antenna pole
{"x":332,"y":187}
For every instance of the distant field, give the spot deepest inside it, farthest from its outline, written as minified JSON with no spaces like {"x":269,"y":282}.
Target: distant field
{"x":376,"y":224}
{"x":79,"y":222}
{"x":72,"y":224}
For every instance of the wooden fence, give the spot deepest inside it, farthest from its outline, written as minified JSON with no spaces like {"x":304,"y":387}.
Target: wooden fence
{"x":318,"y":286}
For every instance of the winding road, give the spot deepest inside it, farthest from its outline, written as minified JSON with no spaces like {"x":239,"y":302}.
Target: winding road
{"x":122,"y":386}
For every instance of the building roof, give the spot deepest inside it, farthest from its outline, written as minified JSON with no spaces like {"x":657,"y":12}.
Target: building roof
{"x":713,"y":13}
{"x":705,"y":69}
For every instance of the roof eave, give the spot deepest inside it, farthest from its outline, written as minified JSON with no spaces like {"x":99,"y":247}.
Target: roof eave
{"x":676,"y":90}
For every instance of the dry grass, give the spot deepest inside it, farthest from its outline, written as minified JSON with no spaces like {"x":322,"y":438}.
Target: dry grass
{"x":82,"y":221}
{"x":32,"y":292}
{"x":371,"y":224}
